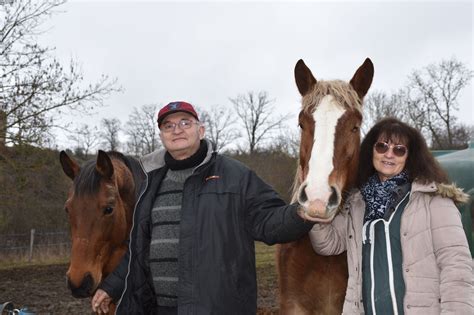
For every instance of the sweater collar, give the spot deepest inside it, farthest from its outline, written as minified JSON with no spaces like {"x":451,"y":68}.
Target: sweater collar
{"x":156,"y":159}
{"x":192,"y":161}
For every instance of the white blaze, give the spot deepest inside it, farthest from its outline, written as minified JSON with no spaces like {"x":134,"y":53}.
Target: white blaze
{"x":326,"y":115}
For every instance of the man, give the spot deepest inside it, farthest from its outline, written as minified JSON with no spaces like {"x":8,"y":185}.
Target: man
{"x":191,"y":248}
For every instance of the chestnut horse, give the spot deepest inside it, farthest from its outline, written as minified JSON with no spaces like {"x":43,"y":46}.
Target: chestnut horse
{"x":330,"y":120}
{"x":100,"y":206}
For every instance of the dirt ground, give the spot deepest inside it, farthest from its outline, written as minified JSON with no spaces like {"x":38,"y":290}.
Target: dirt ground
{"x":43,"y":289}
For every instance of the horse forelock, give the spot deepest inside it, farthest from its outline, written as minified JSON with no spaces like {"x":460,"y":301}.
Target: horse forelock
{"x":343,"y":93}
{"x":87,"y":182}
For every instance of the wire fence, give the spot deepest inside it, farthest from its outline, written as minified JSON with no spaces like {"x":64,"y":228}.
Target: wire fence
{"x":36,"y":245}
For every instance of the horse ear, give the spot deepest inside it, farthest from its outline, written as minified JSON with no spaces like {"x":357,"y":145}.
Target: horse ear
{"x":362,"y":79}
{"x":104,"y":165}
{"x":304,"y":78}
{"x":70,"y":167}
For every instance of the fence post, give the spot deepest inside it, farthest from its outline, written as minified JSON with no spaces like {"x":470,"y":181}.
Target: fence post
{"x":32,"y":241}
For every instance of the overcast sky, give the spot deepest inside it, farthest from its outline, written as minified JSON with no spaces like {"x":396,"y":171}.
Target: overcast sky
{"x":206,"y":52}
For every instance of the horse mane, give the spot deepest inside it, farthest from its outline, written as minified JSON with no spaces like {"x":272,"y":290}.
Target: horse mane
{"x":296,"y":183}
{"x":342,"y":91}
{"x":88,"y":179}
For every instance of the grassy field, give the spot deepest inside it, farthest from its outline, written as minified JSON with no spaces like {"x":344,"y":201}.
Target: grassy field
{"x":266,"y":278}
{"x":265,"y":255}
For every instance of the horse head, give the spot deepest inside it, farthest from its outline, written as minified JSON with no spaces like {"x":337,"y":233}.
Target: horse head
{"x":99,"y":205}
{"x":330,"y":122}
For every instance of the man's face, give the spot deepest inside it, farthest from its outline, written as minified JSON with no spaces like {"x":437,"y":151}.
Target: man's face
{"x":180,"y":142}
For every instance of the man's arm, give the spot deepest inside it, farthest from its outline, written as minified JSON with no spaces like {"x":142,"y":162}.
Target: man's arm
{"x":269,"y":219}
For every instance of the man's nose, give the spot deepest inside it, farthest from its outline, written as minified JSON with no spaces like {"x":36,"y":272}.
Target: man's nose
{"x":177,"y":129}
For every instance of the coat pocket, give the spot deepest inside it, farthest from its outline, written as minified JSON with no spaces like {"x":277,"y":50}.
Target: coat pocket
{"x":417,"y":304}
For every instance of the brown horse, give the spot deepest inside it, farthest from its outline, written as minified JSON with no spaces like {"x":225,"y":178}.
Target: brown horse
{"x":100,"y":205}
{"x":329,"y":152}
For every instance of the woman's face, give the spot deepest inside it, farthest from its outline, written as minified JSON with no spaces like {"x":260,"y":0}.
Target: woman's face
{"x":389,"y":158}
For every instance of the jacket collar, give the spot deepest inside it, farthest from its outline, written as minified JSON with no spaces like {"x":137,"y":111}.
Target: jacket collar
{"x":156,"y":159}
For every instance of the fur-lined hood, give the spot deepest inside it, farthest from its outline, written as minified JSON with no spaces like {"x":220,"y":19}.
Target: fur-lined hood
{"x":450,"y":191}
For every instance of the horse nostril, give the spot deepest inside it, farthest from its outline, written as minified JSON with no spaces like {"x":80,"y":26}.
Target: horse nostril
{"x":84,"y":289}
{"x":334,"y":198}
{"x":302,"y":198}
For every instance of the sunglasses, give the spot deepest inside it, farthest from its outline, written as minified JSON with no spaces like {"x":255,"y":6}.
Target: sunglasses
{"x":398,"y":149}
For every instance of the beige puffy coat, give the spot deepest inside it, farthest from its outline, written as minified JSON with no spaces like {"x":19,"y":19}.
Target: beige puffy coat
{"x":437,"y":264}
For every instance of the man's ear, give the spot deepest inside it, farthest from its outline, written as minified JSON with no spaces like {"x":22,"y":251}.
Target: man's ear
{"x":202,"y":131}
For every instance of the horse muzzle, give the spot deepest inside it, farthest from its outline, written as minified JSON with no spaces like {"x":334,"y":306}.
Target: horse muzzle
{"x":85,"y":289}
{"x":319,"y":209}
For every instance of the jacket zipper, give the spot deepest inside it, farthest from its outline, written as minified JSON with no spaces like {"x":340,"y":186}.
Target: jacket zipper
{"x":389,"y":258}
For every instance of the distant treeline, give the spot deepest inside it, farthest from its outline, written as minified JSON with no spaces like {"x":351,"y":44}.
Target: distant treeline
{"x":33,"y":187}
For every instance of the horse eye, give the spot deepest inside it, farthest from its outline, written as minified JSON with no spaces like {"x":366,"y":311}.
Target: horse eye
{"x":66,"y":209}
{"x":300,"y":125}
{"x":355,"y":129}
{"x":108,"y":210}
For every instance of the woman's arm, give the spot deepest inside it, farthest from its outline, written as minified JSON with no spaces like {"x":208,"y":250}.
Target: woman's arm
{"x":453,"y":257}
{"x":330,"y":238}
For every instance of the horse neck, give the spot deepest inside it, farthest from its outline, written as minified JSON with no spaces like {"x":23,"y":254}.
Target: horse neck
{"x":126,"y":186}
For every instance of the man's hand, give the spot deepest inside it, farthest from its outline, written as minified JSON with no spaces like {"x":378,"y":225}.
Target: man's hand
{"x":101,"y":302}
{"x":305,"y":214}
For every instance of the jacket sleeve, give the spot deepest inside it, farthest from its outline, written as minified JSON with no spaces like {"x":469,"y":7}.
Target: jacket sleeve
{"x":453,"y":257}
{"x":268,"y":218}
{"x":114,"y":283}
{"x":330,"y":238}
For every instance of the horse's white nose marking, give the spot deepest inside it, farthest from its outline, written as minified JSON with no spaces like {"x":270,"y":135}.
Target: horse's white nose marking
{"x":326,"y":116}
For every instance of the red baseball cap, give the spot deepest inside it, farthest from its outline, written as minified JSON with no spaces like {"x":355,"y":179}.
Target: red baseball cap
{"x":173,"y":107}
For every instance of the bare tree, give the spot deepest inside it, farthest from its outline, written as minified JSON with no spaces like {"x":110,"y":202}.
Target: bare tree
{"x":86,"y":138}
{"x":34,"y":87}
{"x":110,"y":133}
{"x":256,"y":114}
{"x":459,"y":140}
{"x":220,"y":124}
{"x":288,"y":142}
{"x":142,"y":130}
{"x":432,"y":98}
{"x":470,"y":130}
{"x":379,"y":104}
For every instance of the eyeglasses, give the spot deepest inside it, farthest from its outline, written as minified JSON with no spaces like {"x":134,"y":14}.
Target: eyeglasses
{"x":398,"y":149}
{"x":171,"y":126}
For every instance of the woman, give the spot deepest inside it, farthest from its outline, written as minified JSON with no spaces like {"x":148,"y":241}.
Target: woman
{"x":406,"y":248}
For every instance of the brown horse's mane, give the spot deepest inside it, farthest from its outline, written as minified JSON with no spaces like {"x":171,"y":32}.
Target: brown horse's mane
{"x":340,"y":90}
{"x":296,"y":184}
{"x":88,"y":179}
{"x":343,"y":93}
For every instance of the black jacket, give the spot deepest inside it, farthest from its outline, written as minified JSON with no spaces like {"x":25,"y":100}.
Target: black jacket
{"x":225,"y":208}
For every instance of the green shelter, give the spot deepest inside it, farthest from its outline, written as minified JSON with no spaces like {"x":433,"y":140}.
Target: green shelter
{"x":460,"y":167}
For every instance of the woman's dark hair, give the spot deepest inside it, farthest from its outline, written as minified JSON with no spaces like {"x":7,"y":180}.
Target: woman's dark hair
{"x":420,"y":163}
